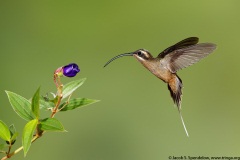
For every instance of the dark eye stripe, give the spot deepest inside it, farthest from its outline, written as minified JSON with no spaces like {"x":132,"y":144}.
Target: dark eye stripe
{"x":143,"y":54}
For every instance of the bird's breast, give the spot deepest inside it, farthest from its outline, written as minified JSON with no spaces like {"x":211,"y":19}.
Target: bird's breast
{"x":158,"y":70}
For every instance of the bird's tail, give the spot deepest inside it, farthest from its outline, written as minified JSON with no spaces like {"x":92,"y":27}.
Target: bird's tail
{"x":175,"y":87}
{"x":183,"y":123}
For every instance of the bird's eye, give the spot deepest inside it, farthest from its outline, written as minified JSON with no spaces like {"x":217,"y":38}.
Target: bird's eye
{"x":139,"y":53}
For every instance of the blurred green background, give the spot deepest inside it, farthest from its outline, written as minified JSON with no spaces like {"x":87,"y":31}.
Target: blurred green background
{"x":136,"y":118}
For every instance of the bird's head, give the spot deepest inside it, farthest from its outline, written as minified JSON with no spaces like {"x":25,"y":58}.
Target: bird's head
{"x":141,"y":55}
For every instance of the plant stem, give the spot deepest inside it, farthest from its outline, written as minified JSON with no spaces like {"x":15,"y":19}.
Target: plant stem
{"x":19,"y":149}
{"x":55,"y":109}
{"x":9,"y":148}
{"x":67,"y":102}
{"x":59,"y":95}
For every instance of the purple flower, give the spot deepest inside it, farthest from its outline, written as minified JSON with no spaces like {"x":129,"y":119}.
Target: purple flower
{"x":70,"y":70}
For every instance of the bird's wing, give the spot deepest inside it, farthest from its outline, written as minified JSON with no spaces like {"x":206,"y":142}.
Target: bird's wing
{"x":187,"y":56}
{"x":184,"y":43}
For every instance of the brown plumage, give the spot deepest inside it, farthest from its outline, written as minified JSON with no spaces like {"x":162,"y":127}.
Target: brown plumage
{"x":169,"y":61}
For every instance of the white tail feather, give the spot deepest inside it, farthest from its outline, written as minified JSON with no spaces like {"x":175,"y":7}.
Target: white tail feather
{"x":183,"y":123}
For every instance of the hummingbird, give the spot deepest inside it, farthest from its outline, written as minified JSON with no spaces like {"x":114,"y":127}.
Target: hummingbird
{"x":165,"y":66}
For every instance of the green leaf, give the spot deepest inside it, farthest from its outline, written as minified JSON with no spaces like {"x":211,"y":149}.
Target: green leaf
{"x":46,"y":104}
{"x":51,"y":124}
{"x":14,"y":137}
{"x":35,"y":103}
{"x":4,"y":131}
{"x":12,"y":129}
{"x":13,"y":132}
{"x":28,"y":134}
{"x":70,"y":87}
{"x":76,"y":103}
{"x":20,"y":105}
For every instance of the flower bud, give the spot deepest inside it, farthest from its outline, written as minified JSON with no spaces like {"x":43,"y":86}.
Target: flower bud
{"x":70,"y":70}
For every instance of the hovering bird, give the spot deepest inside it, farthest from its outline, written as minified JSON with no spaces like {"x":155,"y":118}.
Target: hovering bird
{"x":169,"y":61}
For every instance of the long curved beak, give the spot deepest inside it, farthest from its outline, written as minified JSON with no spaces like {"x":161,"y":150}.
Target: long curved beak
{"x":118,"y":56}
